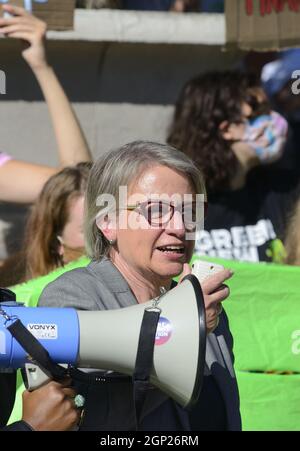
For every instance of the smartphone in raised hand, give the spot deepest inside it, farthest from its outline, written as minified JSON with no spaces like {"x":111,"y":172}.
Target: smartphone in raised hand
{"x":203,"y":269}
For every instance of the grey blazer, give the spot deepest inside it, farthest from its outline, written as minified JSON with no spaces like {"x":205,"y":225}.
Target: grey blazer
{"x":100,"y":286}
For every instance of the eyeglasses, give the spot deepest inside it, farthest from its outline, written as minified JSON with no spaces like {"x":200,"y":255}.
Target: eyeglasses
{"x":160,"y":213}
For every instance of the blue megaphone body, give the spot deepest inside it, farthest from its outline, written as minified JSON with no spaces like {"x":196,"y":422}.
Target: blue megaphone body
{"x":56,"y":329}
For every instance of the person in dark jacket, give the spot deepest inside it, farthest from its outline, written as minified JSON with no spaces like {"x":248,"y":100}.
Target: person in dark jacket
{"x":162,"y":5}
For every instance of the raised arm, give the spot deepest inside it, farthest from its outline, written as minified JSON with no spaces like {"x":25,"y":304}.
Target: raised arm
{"x":72,"y":146}
{"x":22,"y":182}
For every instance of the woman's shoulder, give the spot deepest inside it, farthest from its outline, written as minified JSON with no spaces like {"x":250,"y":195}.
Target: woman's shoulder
{"x":80,"y":288}
{"x":83,"y":277}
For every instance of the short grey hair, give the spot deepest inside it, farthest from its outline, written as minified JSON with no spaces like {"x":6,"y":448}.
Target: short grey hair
{"x":122,"y":167}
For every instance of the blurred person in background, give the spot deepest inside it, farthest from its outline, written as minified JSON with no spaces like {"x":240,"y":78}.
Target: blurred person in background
{"x":211,"y":6}
{"x":224,"y":122}
{"x":281,"y":81}
{"x":162,"y":5}
{"x":208,"y":6}
{"x":98,"y":4}
{"x":54,"y":228}
{"x":278,"y":79}
{"x":72,"y":146}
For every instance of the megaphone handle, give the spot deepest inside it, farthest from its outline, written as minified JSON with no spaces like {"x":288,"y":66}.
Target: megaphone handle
{"x":36,"y":351}
{"x":144,"y":360}
{"x":33,"y":376}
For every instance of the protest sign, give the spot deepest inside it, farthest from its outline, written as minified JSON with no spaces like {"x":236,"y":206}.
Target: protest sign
{"x":263,"y":25}
{"x":59,"y":15}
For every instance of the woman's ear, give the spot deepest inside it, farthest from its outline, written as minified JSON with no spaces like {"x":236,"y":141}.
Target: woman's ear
{"x":60,"y":248}
{"x":107,"y":225}
{"x":225,"y":130}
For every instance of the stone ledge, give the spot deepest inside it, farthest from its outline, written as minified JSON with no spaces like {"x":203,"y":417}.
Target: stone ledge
{"x":108,"y":25}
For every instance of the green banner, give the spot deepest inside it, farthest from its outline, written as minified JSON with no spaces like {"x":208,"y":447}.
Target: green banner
{"x":269,"y":402}
{"x":264,"y":316}
{"x":264,"y":313}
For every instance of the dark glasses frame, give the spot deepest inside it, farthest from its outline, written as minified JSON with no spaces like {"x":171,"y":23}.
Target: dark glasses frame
{"x":142,"y":208}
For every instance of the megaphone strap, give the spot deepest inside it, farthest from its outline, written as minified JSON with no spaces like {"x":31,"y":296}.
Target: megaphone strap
{"x":36,"y":351}
{"x":144,"y":360}
{"x":40,"y":356}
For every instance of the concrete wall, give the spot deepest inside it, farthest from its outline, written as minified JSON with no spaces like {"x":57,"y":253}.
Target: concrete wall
{"x":120,"y":92}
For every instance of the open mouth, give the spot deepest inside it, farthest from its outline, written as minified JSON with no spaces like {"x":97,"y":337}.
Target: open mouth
{"x":172,"y":249}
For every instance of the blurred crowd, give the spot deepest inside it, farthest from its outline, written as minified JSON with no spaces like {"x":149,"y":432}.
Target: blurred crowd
{"x":210,"y":6}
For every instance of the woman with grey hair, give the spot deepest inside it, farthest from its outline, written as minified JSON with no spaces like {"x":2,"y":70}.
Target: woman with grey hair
{"x":142,"y":210}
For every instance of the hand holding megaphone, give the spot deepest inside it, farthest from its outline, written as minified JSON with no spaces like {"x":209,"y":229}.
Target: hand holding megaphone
{"x":213,"y":288}
{"x":51,"y":407}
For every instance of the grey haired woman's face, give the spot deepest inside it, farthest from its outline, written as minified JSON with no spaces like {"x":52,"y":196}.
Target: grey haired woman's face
{"x":155,"y":252}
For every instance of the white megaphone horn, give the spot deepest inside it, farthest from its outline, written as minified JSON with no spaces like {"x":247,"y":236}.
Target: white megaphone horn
{"x":108,"y":340}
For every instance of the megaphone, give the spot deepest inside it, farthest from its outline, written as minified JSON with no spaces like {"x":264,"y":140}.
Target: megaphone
{"x":108,"y":340}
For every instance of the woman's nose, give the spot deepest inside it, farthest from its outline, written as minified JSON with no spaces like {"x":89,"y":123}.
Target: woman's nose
{"x":176,"y":224}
